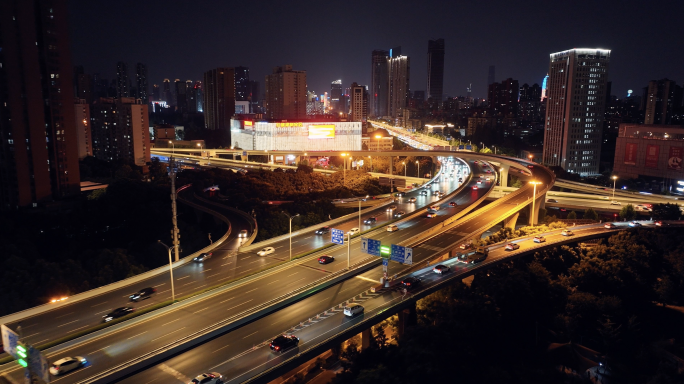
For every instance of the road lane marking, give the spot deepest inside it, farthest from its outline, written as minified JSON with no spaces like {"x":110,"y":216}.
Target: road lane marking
{"x":101,"y":349}
{"x":107,"y":310}
{"x":192,"y":282}
{"x":206,"y":270}
{"x":170,"y":322}
{"x":159,"y":285}
{"x":228,"y":300}
{"x":239,"y":304}
{"x":224,"y":347}
{"x":274,"y":281}
{"x":167,"y":334}
{"x":67,"y":323}
{"x":250,"y":335}
{"x":74,"y":330}
{"x":98,"y":304}
{"x":165,"y":368}
{"x":203,"y":309}
{"x":215,"y":274}
{"x":184,"y":277}
{"x":136,"y":335}
{"x":292,"y":274}
{"x":31,"y":335}
{"x":250,"y":291}
{"x":61,"y":316}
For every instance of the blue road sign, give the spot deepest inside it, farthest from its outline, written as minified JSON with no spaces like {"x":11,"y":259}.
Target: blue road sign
{"x":244,"y":153}
{"x":385,"y":262}
{"x":401,"y":254}
{"x":38,"y":364}
{"x":337,"y":236}
{"x":461,"y":147}
{"x":469,"y":147}
{"x":370,"y":246}
{"x":10,"y":340}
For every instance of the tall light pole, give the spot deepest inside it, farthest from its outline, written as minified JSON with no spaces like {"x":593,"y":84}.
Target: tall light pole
{"x":418,"y":165}
{"x":530,"y":157}
{"x":371,"y":162}
{"x":378,"y":137}
{"x":200,"y":145}
{"x":404,"y":164}
{"x":534,"y":196}
{"x":614,"y":180}
{"x":493,"y":146}
{"x":290,"y":217}
{"x":175,"y":235}
{"x":173,"y":147}
{"x":173,"y":292}
{"x":344,"y":172}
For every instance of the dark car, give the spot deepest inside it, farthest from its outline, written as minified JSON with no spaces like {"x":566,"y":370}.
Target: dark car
{"x":208,"y":378}
{"x":284,"y":342}
{"x":423,"y":193}
{"x":401,"y":194}
{"x":410,"y":282}
{"x":115,"y":314}
{"x":143,"y":294}
{"x":370,"y":220}
{"x":452,"y":204}
{"x":323,"y":230}
{"x":202,"y":257}
{"x":325,"y":259}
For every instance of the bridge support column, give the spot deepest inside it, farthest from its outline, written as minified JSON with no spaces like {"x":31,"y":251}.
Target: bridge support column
{"x":366,"y":335}
{"x":407,"y":318}
{"x":510,"y":221}
{"x":538,"y":204}
{"x":391,"y":162}
{"x":503,"y":175}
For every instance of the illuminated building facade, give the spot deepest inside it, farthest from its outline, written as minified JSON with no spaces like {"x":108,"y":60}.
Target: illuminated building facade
{"x":306,"y":135}
{"x":575,"y":109}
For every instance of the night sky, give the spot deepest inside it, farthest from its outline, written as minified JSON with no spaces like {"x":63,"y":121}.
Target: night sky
{"x":334,"y":39}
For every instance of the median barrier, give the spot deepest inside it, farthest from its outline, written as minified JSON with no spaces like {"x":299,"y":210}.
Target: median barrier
{"x":125,"y":282}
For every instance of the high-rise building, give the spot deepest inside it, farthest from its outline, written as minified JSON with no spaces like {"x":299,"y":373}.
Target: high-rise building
{"x":544,"y":87}
{"x":199,"y":96}
{"x":121,"y":130}
{"x":575,"y":109}
{"x":399,"y":70}
{"x":141,"y":83}
{"x":379,"y":92}
{"x":166,"y":91}
{"x":219,"y":98}
{"x":359,"y":102}
{"x":82,"y":122}
{"x":122,"y":82}
{"x":191,"y":96}
{"x":242,"y":84}
{"x":435,"y":75}
{"x":529,"y":108}
{"x":84,"y":87}
{"x":38,"y":147}
{"x":179,"y":94}
{"x":662,"y":99}
{"x":491,"y":77}
{"x":336,"y":96}
{"x":503,"y":98}
{"x":286,"y":94}
{"x":156,"y":94}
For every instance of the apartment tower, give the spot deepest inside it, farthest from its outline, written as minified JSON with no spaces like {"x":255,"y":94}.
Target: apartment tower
{"x":575,"y":109}
{"x":435,"y":75}
{"x":286,"y":94}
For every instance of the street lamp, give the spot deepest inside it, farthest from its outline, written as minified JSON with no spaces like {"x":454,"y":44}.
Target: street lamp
{"x":404,"y":164}
{"x":290,"y":217}
{"x":344,"y":172}
{"x":530,"y":157}
{"x":418,"y":165}
{"x":534,"y":195}
{"x":200,"y":145}
{"x":173,"y":148}
{"x":378,"y":137}
{"x":173,"y":292}
{"x":614,"y":180}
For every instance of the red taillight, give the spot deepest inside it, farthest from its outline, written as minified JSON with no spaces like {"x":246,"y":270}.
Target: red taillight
{"x":277,"y":348}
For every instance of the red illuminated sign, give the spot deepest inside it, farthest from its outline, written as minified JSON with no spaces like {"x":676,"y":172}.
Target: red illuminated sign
{"x":630,"y":153}
{"x":652,"y":154}
{"x":674,"y":159}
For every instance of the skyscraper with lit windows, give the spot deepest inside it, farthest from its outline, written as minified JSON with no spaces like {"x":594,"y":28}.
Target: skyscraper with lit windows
{"x":575,"y":108}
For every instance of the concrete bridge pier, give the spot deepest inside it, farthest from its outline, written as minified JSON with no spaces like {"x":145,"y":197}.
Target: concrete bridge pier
{"x":366,"y":335}
{"x":503,"y":175}
{"x":510,"y":221}
{"x":539,"y":203}
{"x":407,"y":318}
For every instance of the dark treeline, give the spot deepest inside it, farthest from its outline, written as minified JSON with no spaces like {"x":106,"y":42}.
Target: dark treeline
{"x":309,"y":193}
{"x":609,"y":298}
{"x":102,"y":237}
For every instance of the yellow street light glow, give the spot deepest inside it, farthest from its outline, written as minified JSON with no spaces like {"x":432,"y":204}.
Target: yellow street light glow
{"x":614,"y":177}
{"x":536,"y":182}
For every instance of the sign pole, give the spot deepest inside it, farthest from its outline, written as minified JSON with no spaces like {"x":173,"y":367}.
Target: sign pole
{"x":348,"y":249}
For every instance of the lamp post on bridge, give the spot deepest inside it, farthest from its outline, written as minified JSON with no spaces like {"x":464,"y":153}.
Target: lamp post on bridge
{"x":291,"y":218}
{"x":614,"y":180}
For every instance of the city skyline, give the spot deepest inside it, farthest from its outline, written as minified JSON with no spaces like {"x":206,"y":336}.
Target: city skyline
{"x":521,"y":53}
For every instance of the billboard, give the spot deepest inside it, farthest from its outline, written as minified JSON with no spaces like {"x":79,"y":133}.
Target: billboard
{"x":652,"y":154}
{"x":630,"y":153}
{"x":322,"y":131}
{"x":674,"y":159}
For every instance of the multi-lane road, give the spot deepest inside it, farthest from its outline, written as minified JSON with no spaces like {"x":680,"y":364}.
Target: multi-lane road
{"x":114,"y":347}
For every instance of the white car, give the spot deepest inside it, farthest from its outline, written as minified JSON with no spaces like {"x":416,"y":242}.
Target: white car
{"x":615,"y":203}
{"x":208,"y":378}
{"x":392,"y":228}
{"x":243,"y":233}
{"x":540,"y":239}
{"x":353,"y":310}
{"x":634,"y":224}
{"x":266,"y":251}
{"x":353,"y":231}
{"x":567,"y":232}
{"x":412,"y":200}
{"x":435,"y":207}
{"x":512,"y":246}
{"x":66,"y":365}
